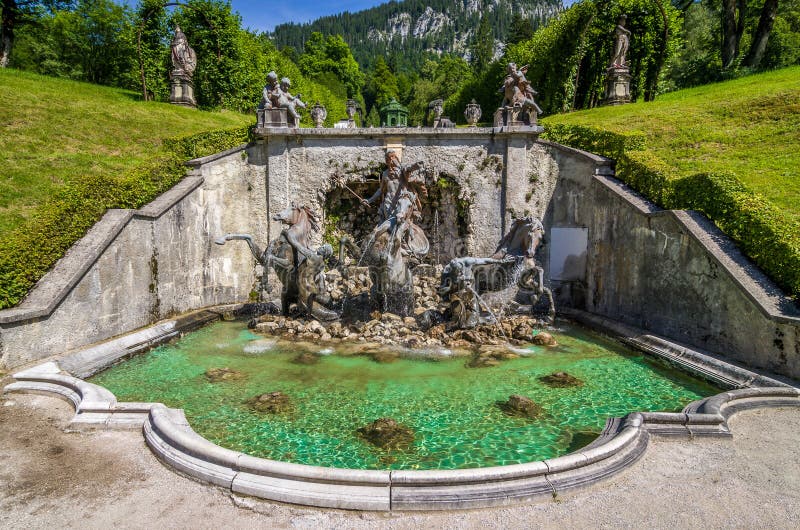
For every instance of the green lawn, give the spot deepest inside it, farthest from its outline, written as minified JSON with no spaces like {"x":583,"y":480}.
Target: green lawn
{"x":748,"y":126}
{"x":52,"y":130}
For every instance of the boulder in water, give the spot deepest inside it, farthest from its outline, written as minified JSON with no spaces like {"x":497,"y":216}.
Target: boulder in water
{"x":271,"y":402}
{"x":560,"y":380}
{"x":520,"y":406}
{"x":544,"y":339}
{"x":387,"y":433}
{"x":218,"y":375}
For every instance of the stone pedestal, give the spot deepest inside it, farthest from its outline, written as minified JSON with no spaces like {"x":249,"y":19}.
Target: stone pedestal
{"x":618,"y":85}
{"x":182,"y":89}
{"x":514,"y":117}
{"x":271,"y":118}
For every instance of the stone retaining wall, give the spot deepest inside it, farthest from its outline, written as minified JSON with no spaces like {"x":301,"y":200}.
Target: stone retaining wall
{"x":607,"y":251}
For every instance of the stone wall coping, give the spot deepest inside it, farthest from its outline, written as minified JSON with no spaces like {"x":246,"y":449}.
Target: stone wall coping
{"x":622,"y":442}
{"x":756,"y":285}
{"x":197,"y":162}
{"x":54,"y":286}
{"x":392,"y":132}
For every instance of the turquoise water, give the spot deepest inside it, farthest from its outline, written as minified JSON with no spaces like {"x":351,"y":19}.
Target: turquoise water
{"x":451,"y":408}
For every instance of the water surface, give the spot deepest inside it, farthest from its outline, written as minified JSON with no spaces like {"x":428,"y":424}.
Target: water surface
{"x":451,"y":408}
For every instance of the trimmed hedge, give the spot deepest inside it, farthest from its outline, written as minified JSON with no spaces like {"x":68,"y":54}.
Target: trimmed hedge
{"x":763,"y":232}
{"x":31,"y":250}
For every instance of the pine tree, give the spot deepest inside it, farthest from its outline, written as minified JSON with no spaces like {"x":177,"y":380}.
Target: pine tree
{"x":483,"y":46}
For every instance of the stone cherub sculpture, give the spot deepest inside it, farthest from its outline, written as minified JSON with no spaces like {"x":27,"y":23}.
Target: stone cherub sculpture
{"x":621,"y":45}
{"x":184,"y":59}
{"x":276,"y":96}
{"x":519,"y":94}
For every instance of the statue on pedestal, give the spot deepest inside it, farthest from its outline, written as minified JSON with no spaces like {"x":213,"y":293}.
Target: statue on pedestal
{"x":184,"y":62}
{"x":519,"y":106}
{"x":278,"y":108}
{"x":622,"y":44}
{"x":618,"y":78}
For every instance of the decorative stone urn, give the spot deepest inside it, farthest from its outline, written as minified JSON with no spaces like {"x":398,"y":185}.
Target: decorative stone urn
{"x":472,"y":113}
{"x":318,"y":114}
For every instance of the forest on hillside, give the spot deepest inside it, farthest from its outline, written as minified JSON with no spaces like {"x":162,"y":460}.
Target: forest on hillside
{"x":673,"y":45}
{"x":409,"y":32}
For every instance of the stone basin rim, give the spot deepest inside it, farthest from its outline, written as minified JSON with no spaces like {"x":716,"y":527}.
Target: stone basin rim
{"x":174,"y":442}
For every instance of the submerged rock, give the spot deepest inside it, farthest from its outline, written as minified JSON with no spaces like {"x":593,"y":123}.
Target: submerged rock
{"x":271,"y":402}
{"x":482,"y":361}
{"x":544,"y":339}
{"x":560,"y":380}
{"x":520,"y":406}
{"x":387,"y":433}
{"x":306,"y":358}
{"x":218,"y":375}
{"x":385,"y":357}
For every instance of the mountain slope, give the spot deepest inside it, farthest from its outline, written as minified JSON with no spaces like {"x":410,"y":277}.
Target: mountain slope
{"x":411,"y":30}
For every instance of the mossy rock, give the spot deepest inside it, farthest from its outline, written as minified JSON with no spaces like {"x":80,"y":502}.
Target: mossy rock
{"x":220,"y":375}
{"x":387,"y":434}
{"x":520,"y":406}
{"x":271,"y":402}
{"x":560,"y":380}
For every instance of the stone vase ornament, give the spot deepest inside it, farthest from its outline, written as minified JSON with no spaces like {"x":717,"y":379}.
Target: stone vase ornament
{"x":318,"y":114}
{"x":472,"y":113}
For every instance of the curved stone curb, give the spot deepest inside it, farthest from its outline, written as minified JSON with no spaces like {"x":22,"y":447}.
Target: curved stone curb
{"x":171,"y":438}
{"x":622,"y":442}
{"x":95,"y":407}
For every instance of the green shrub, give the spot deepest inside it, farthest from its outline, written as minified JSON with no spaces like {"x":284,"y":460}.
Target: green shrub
{"x":32,"y":249}
{"x":763,"y":232}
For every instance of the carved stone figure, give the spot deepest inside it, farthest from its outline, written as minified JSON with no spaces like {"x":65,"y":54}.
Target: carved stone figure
{"x":278,"y":108}
{"x":464,"y":279}
{"x":290,"y":103}
{"x":472,"y":113}
{"x":618,"y":78}
{"x":318,"y":114}
{"x":269,"y":96}
{"x":184,"y":62}
{"x":299,"y":267}
{"x":622,"y":43}
{"x":397,"y":241}
{"x":519,"y":106}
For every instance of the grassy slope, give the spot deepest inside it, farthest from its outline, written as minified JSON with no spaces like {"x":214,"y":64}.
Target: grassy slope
{"x":53,"y":129}
{"x":749,"y":126}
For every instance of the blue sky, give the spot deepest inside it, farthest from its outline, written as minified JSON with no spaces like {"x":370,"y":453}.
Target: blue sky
{"x":265,"y":15}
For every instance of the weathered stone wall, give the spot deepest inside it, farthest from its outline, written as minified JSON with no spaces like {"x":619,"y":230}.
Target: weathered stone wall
{"x":606,"y":251}
{"x":135,"y":268}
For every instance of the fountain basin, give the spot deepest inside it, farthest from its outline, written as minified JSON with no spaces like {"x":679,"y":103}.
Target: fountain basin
{"x":168,"y":433}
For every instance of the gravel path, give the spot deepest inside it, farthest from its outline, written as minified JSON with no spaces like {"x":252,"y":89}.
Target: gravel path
{"x":50,"y":478}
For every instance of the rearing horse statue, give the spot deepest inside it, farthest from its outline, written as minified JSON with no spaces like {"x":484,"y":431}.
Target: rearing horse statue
{"x":299,"y":267}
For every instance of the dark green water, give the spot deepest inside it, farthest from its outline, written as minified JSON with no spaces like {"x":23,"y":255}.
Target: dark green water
{"x":451,"y":408}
